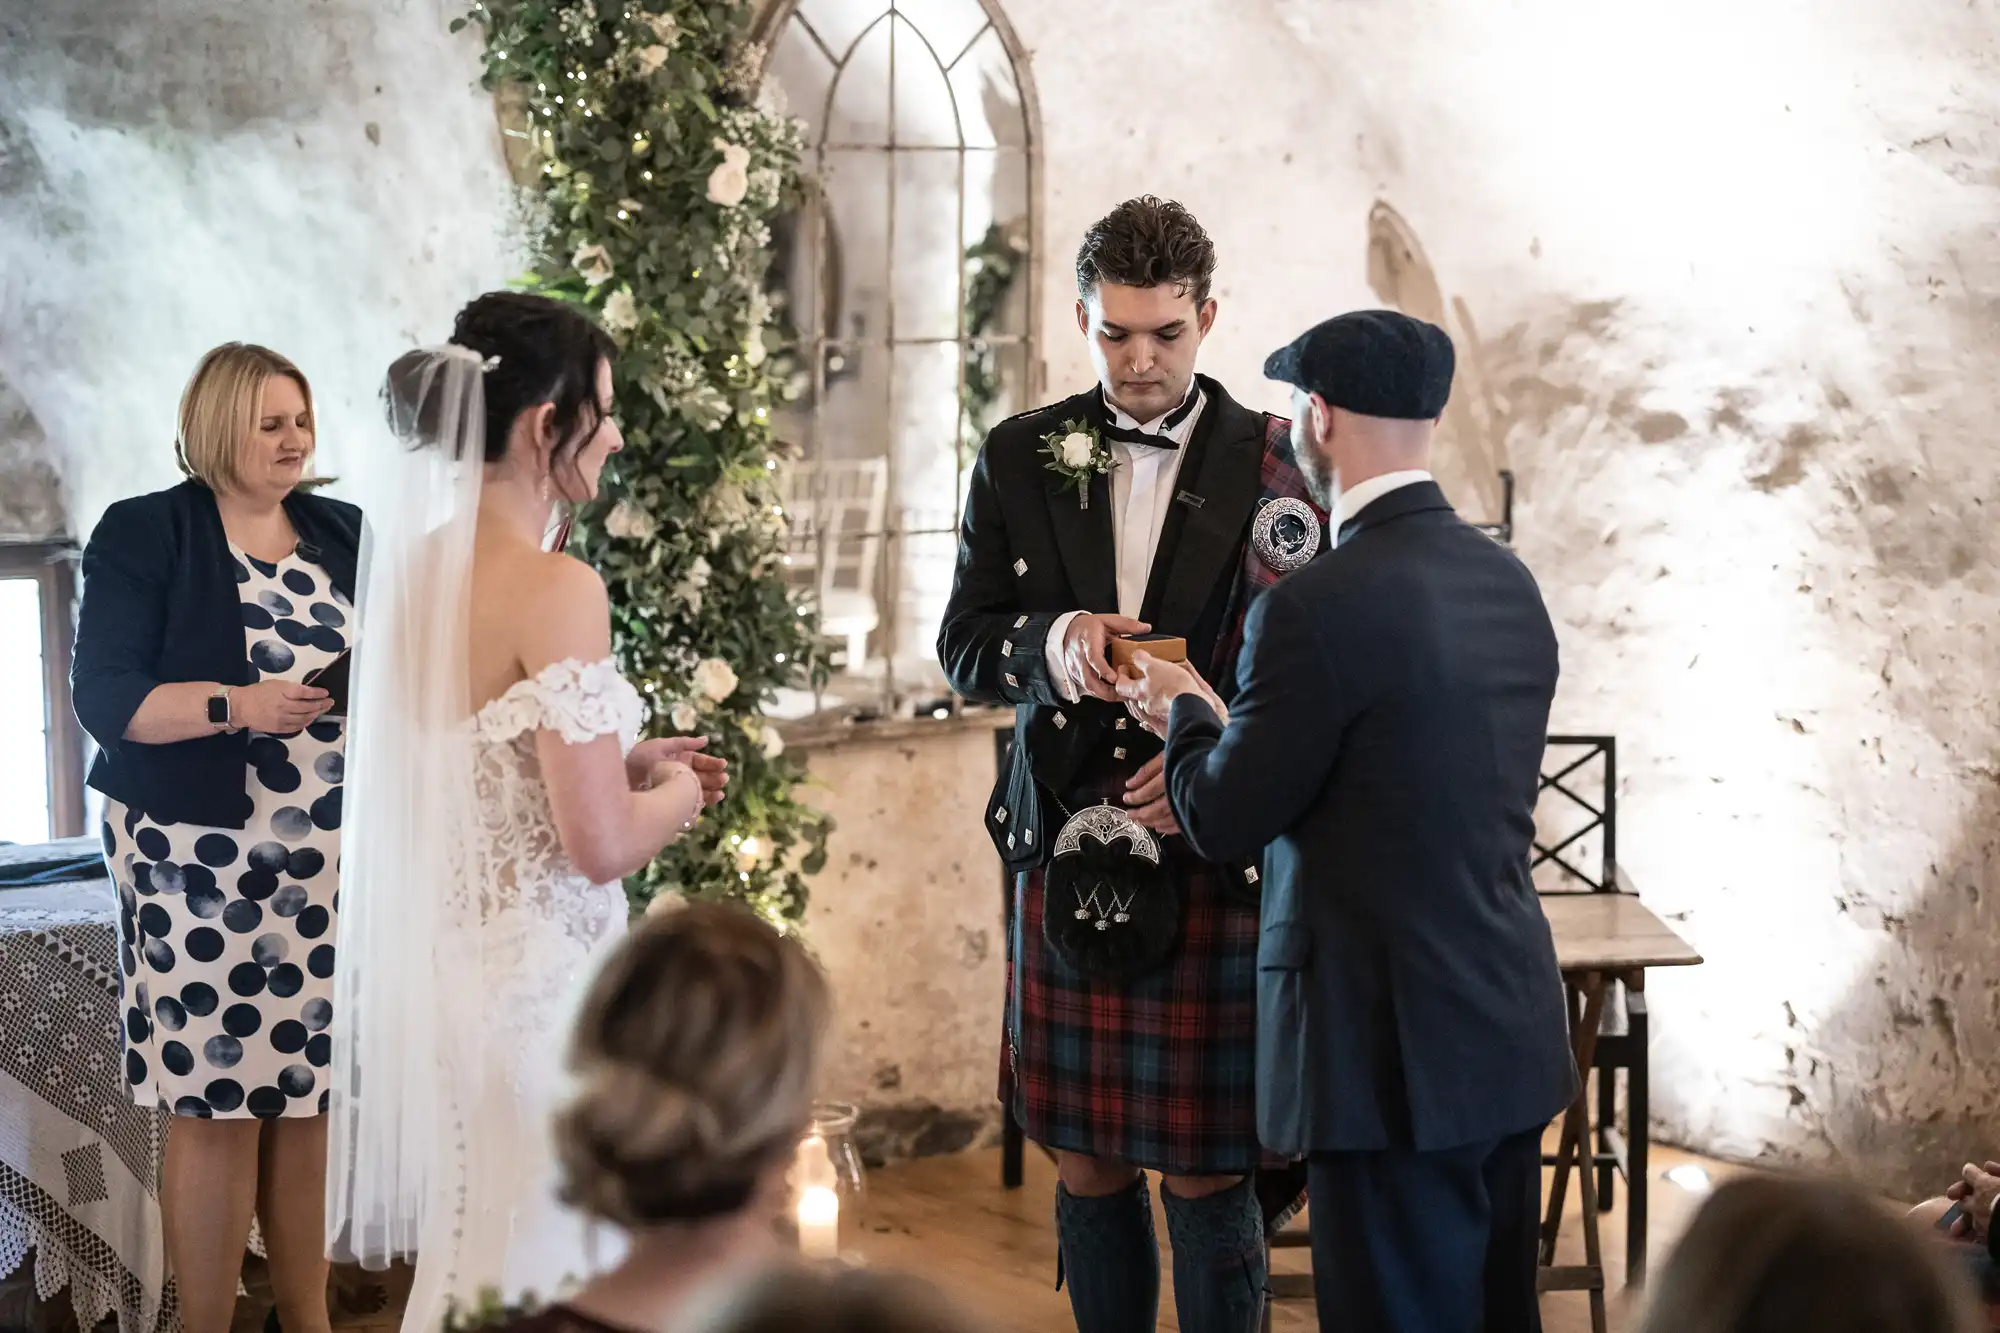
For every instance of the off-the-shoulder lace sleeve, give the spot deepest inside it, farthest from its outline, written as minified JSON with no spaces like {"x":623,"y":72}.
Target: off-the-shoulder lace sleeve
{"x":578,"y":701}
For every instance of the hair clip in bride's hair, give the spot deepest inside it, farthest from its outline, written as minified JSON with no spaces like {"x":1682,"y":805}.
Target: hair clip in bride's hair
{"x":490,"y":363}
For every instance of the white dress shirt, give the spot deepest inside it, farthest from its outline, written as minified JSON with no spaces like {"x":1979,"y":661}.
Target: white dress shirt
{"x":1354,"y":501}
{"x":1142,"y":488}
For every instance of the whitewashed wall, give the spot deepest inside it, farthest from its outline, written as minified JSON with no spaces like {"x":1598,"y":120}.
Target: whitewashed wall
{"x":325,"y":178}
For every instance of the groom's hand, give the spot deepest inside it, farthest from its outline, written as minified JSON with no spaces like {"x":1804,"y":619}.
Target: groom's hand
{"x":1146,"y":797}
{"x":1086,"y":653}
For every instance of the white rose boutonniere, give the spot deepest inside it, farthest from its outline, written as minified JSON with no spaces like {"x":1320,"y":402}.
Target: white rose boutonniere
{"x":1077,"y":453}
{"x":730,"y":180}
{"x":593,"y":262}
{"x":714,"y":678}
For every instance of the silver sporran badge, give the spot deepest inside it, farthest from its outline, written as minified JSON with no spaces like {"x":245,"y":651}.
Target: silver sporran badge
{"x":1107,"y":824}
{"x":1285,"y":534}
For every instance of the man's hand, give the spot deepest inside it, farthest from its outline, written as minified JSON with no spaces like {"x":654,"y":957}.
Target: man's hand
{"x":1146,"y":796}
{"x":1086,"y":652}
{"x":713,"y":772}
{"x":1151,"y":693}
{"x":1976,"y":1191}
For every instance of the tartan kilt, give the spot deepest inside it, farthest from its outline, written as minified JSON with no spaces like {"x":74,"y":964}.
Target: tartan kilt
{"x":1159,"y":1072}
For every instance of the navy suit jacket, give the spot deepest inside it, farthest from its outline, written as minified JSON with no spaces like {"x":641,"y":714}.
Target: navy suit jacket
{"x":160,"y":605}
{"x":1386,"y":742}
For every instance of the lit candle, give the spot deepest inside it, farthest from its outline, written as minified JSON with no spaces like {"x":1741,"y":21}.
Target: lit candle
{"x":819,"y":1223}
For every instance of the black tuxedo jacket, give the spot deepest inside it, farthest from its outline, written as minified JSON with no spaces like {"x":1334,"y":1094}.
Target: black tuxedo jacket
{"x":1027,"y":553}
{"x":1386,"y":743}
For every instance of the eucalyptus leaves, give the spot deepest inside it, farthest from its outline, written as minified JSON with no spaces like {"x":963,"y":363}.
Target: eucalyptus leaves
{"x":660,"y":168}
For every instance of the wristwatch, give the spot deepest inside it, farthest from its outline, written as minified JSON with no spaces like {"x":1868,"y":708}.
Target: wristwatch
{"x":218,"y":709}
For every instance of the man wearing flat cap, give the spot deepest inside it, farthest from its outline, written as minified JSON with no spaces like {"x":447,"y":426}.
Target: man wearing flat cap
{"x":1382,"y":749}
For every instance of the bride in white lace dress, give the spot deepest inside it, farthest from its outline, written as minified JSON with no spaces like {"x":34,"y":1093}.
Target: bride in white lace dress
{"x":498,"y":796}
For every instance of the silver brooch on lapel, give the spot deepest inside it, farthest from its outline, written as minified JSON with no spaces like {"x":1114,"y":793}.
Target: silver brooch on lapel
{"x":1285,"y":534}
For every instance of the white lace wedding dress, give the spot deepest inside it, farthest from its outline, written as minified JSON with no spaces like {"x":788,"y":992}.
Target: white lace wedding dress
{"x":496,"y":1225}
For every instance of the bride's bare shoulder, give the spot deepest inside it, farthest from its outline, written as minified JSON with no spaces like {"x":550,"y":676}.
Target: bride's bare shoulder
{"x":563,"y":611}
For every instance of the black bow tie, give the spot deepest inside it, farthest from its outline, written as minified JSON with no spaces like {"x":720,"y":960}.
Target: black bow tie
{"x":1108,"y":426}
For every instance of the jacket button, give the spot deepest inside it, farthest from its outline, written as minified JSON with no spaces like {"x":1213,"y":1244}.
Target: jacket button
{"x":1000,"y":815}
{"x":1008,"y":676}
{"x":1118,"y":752}
{"x":1006,"y":647}
{"x":1019,"y":623}
{"x":1020,"y":567}
{"x":1121,"y":724}
{"x":1061,"y":721}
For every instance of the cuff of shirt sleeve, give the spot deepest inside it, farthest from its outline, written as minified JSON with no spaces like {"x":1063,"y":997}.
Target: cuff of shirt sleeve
{"x":1052,"y":654}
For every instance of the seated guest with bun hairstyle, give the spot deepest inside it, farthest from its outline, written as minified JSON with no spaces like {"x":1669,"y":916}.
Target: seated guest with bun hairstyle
{"x":695,"y":1058}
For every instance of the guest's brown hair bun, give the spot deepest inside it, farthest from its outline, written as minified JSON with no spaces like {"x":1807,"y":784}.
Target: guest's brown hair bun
{"x":695,"y":1059}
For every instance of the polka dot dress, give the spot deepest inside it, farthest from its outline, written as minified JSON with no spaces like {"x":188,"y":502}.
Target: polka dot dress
{"x":227,"y":935}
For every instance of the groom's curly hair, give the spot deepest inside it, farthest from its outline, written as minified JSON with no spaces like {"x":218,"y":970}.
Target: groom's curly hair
{"x":1147,"y":242}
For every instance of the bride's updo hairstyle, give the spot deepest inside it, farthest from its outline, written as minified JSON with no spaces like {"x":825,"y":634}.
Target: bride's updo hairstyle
{"x":695,"y":1058}
{"x":535,"y":351}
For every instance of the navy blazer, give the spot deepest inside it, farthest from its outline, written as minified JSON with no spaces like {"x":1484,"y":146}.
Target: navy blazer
{"x":1386,"y":743}
{"x":160,"y":605}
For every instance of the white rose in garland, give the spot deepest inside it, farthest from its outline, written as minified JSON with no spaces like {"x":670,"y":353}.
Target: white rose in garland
{"x":714,"y":678}
{"x":629,"y":522}
{"x":685,"y":717}
{"x":754,"y":350}
{"x":730,"y":180}
{"x":621,"y":312}
{"x":651,"y":58}
{"x":772,"y":743}
{"x":593,"y":262}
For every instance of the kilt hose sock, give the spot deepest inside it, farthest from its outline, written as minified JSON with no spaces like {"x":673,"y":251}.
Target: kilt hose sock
{"x":1107,"y":1253}
{"x":1219,"y":1262}
{"x":1106,"y":1250}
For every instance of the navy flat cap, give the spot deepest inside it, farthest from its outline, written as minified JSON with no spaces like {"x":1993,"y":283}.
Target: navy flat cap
{"x":1377,"y":363}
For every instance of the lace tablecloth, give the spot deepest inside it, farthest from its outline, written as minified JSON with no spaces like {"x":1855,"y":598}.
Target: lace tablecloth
{"x":79,"y":1162}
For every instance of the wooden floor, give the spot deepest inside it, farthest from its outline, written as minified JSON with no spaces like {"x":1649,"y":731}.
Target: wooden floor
{"x":994,"y":1250}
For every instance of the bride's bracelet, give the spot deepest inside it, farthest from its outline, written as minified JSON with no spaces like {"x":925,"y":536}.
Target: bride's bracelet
{"x":700,"y":798}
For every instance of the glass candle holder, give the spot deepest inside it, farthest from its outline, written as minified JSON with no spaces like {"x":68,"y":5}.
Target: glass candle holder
{"x":827,"y":1184}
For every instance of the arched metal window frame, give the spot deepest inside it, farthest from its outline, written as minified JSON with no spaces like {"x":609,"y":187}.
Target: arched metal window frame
{"x":766,"y":30}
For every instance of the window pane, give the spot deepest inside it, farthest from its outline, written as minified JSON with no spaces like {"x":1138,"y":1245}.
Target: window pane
{"x":839,"y":22}
{"x":856,"y":283}
{"x":861,"y":101}
{"x":804,"y":72}
{"x":948,"y":25}
{"x":928,"y":255}
{"x":24,"y":763}
{"x":925,"y":116}
{"x":989,"y":99}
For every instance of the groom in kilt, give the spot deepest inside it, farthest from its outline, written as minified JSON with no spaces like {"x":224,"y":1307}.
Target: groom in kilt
{"x":1152,"y":503}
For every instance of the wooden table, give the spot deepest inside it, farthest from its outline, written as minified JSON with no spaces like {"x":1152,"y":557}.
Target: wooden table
{"x":1602,"y":938}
